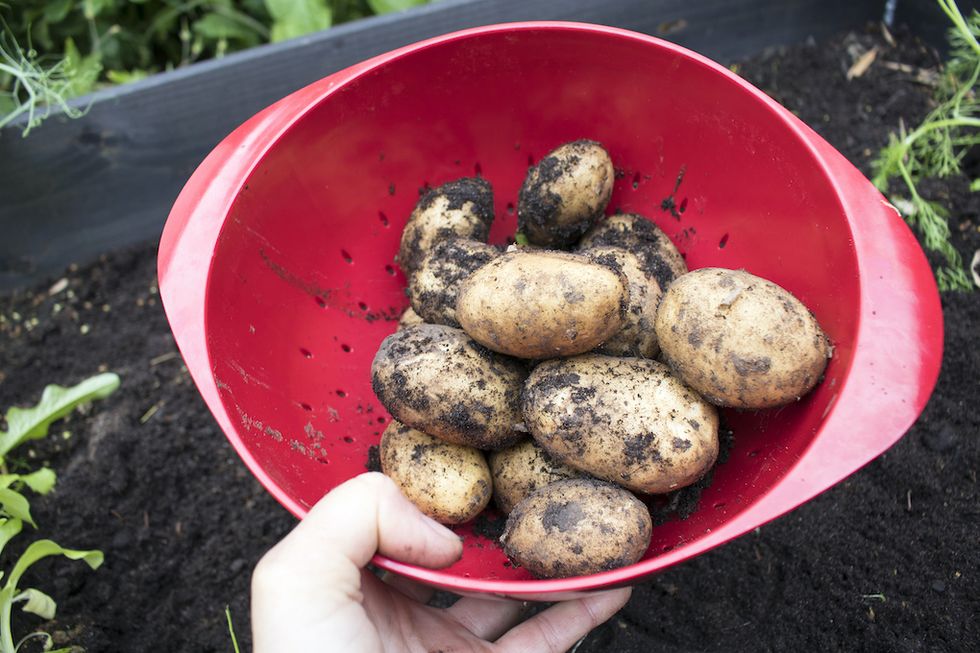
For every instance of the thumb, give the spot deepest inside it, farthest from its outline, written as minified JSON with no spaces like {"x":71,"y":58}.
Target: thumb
{"x":369,"y":514}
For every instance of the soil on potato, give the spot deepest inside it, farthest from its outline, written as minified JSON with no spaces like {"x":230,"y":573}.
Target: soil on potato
{"x":885,"y":561}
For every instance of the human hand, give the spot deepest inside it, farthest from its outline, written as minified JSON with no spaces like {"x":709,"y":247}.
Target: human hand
{"x":311,"y":592}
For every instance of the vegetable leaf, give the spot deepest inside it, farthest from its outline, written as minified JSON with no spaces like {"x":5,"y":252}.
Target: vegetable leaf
{"x":292,"y":18}
{"x":56,"y":402}
{"x":9,"y":528}
{"x":15,"y":504}
{"x":37,"y":602}
{"x":390,"y":6}
{"x":44,"y":548}
{"x":82,"y":72}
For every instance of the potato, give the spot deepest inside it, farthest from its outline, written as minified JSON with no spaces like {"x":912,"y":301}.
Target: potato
{"x":639,"y":235}
{"x":740,"y":340}
{"x":458,"y":209}
{"x":625,"y":420}
{"x":577,"y":527}
{"x":449,"y":482}
{"x":408,"y":318}
{"x":565,"y":193}
{"x":521,"y":469}
{"x":437,"y":380}
{"x":433,"y":288}
{"x":542,"y":304}
{"x":636,"y":338}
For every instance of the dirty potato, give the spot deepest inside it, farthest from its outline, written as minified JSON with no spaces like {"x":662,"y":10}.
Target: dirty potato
{"x":521,"y":469}
{"x":458,"y":209}
{"x":636,"y":337}
{"x":565,"y":193}
{"x":577,"y":527}
{"x":639,"y":235}
{"x":449,"y":482}
{"x":542,"y":304}
{"x":434,"y":378}
{"x":625,"y":420}
{"x":433,"y":288}
{"x":740,"y":340}
{"x":408,"y":318}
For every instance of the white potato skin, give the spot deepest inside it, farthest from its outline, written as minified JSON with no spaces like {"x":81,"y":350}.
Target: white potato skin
{"x":542,"y":304}
{"x":449,"y":482}
{"x":436,"y":379}
{"x":625,"y":420}
{"x":565,"y":193}
{"x":577,"y":527}
{"x":521,"y":469}
{"x":740,"y":340}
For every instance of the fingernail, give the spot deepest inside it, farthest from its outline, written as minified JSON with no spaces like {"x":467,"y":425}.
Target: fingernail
{"x":439,"y":529}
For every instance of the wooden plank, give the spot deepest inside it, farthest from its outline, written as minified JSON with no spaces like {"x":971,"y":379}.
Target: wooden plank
{"x":77,"y":188}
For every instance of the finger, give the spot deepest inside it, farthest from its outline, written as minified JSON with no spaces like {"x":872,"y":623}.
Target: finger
{"x":558,"y":628}
{"x":485,"y":618}
{"x":407,"y":586}
{"x":369,"y":514}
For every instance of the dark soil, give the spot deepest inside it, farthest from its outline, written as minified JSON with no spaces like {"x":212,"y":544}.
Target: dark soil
{"x":888,"y":560}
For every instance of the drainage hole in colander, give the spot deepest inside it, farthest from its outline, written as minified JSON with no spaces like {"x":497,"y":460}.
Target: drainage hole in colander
{"x":636,"y":181}
{"x":719,"y":505}
{"x":347,"y":348}
{"x":753,"y":453}
{"x":390,"y":269}
{"x":347,"y":257}
{"x":530,"y":160}
{"x":723,"y":242}
{"x":382,"y":420}
{"x":306,"y":352}
{"x":683,"y":205}
{"x":341,"y":393}
{"x":320,"y":301}
{"x":510,"y":208}
{"x":362,"y":306}
{"x":308,"y":408}
{"x":348,"y":439}
{"x":478,"y":169}
{"x":383,"y":218}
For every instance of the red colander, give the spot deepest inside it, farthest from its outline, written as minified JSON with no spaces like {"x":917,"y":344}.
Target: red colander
{"x":278,"y":277}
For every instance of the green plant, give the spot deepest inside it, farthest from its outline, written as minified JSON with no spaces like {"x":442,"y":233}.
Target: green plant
{"x":55,"y":50}
{"x":936,"y":147}
{"x":24,"y":425}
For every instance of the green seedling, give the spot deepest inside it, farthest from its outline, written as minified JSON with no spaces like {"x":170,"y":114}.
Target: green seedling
{"x":54,"y":50}
{"x":936,"y":147}
{"x":24,"y":425}
{"x":34,"y":600}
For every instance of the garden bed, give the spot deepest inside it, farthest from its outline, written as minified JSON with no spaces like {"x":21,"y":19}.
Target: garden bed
{"x":886,"y":560}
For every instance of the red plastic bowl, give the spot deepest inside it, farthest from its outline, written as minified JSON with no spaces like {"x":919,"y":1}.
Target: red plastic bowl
{"x":277,"y":273}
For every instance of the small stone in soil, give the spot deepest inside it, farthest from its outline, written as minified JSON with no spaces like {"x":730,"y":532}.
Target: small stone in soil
{"x":941,"y":440}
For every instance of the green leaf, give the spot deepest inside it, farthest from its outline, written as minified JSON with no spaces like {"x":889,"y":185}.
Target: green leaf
{"x":37,"y":602}
{"x":56,"y":402}
{"x":14,"y":504}
{"x":44,"y":548}
{"x":9,"y":528}
{"x":975,"y":185}
{"x":41,"y":481}
{"x":56,"y":10}
{"x":292,"y":18}
{"x":215,"y":26}
{"x":126,"y":76}
{"x":389,"y":6}
{"x":81,"y":72}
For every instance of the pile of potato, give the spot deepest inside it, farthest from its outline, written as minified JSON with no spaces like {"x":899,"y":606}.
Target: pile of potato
{"x":529,"y":375}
